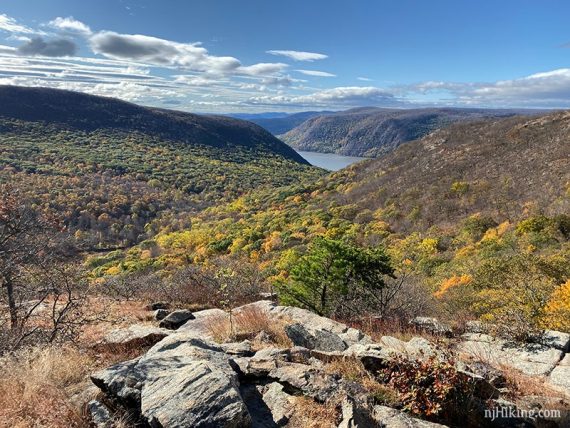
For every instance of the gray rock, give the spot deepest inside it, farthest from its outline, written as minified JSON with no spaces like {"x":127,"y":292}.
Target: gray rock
{"x":431,"y":325}
{"x":181,"y":382}
{"x":122,"y":382}
{"x":312,"y":338}
{"x":555,"y":339}
{"x":136,"y":335}
{"x":158,"y":305}
{"x":355,"y":415}
{"x":160,"y":314}
{"x":242,"y":349}
{"x":392,"y":418}
{"x":373,"y":356}
{"x":200,"y":326}
{"x":531,"y":359}
{"x":176,"y":319}
{"x":280,"y":404}
{"x":99,"y":414}
{"x":560,"y":377}
{"x":305,"y":379}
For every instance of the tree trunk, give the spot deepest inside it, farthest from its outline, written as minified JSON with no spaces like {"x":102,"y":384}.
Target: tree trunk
{"x":11,"y":304}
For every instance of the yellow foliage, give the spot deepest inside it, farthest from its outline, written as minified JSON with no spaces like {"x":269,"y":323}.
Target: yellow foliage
{"x":557,"y":310}
{"x":113,"y":270}
{"x":454,"y":281}
{"x":503,"y":227}
{"x":145,"y":255}
{"x":429,"y":245}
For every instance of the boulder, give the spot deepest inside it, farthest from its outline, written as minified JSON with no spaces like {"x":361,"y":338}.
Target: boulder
{"x":392,"y":418}
{"x":160,"y":314}
{"x":269,"y":405}
{"x":355,"y":415}
{"x":432,"y":326}
{"x":136,"y":335}
{"x":176,"y":319}
{"x":99,"y":414}
{"x":306,"y":380}
{"x":121,"y":382}
{"x":180,"y":382}
{"x":312,"y":338}
{"x":157,"y":305}
{"x":201,"y":325}
{"x":530,"y":359}
{"x":555,"y":339}
{"x":560,"y":376}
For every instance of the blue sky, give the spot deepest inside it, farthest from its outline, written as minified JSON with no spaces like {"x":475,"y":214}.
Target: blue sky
{"x":229,"y":56}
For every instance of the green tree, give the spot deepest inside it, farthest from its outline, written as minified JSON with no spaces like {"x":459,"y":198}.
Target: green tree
{"x":332,"y":273}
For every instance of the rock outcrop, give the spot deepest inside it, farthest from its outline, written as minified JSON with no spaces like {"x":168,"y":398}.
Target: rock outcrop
{"x":188,"y":380}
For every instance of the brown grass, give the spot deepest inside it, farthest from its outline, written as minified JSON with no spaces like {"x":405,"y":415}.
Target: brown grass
{"x":310,"y":414}
{"x":353,"y":370}
{"x":247,"y":323}
{"x":521,"y":385}
{"x":36,"y":386}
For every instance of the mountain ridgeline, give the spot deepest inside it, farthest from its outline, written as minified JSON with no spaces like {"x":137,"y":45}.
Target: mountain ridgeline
{"x":82,"y":112}
{"x":371,"y":132}
{"x":280,"y":123}
{"x":112,"y":168}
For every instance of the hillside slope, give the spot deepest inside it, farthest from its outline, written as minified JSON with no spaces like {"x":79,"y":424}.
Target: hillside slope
{"x":84,"y":112}
{"x":111,"y":168}
{"x":370,"y":131}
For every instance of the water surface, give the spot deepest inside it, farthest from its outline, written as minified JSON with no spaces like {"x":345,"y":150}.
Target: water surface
{"x":330,"y":161}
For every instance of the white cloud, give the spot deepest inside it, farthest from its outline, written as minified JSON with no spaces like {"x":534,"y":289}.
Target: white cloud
{"x":262,"y":69}
{"x":340,"y":97}
{"x":10,"y":25}
{"x":546,"y":89}
{"x":299,"y":55}
{"x":316,"y":73}
{"x":364,"y":79}
{"x":70,"y":24}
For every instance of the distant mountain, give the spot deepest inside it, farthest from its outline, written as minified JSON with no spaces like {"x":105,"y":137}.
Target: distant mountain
{"x":87,"y":113}
{"x":113,"y":169}
{"x":280,"y":123}
{"x":371,"y":131}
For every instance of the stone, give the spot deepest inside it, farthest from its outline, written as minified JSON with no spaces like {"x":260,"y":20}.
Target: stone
{"x":121,"y":382}
{"x":373,"y":356}
{"x":305,"y":379}
{"x":476,"y":327}
{"x":432,"y":326}
{"x":99,"y":414}
{"x":160,"y":314}
{"x":242,"y":349}
{"x":176,"y":319}
{"x":200,"y":325}
{"x":356,"y":416}
{"x":158,"y":305}
{"x":494,"y":376}
{"x":555,"y":339}
{"x":181,"y":382}
{"x":136,"y":335}
{"x":392,"y":418}
{"x":560,"y":376}
{"x":530,"y":359}
{"x":280,"y":404}
{"x":312,"y":338}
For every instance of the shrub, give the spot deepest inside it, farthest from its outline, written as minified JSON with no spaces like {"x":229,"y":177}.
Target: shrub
{"x":557,"y":310}
{"x":429,"y":388}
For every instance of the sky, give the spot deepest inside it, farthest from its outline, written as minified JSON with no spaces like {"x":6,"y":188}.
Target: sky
{"x":228,"y":56}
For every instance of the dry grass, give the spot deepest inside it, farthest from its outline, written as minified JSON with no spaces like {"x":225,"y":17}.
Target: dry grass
{"x":310,"y":414}
{"x":247,"y":324}
{"x":36,"y":386}
{"x":353,"y":370}
{"x":521,"y":385}
{"x":397,"y":328}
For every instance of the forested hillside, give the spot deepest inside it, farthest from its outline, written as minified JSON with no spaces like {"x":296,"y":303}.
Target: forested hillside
{"x":371,"y":132}
{"x":469,"y":215}
{"x":115,"y":171}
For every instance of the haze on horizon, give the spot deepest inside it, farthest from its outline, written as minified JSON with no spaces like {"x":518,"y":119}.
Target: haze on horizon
{"x":262,"y":56}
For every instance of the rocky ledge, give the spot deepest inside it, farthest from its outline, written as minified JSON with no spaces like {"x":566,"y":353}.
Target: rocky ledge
{"x":188,"y":380}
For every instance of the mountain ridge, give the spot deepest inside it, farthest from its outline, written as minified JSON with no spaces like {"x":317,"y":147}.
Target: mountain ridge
{"x":372,"y":131}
